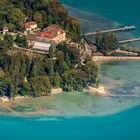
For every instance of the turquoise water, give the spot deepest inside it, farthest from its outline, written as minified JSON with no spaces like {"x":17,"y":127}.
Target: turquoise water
{"x":105,"y":14}
{"x":122,"y":126}
{"x":119,"y":77}
{"x":125,"y":12}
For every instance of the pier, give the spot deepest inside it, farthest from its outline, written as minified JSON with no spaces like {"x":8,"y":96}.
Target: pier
{"x":129,"y":40}
{"x":126,"y":28}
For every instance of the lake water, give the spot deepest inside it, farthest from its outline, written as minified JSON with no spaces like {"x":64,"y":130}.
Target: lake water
{"x":83,"y":116}
{"x":122,"y":126}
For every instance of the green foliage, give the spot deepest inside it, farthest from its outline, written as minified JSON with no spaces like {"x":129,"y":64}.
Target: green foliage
{"x":130,"y":49}
{"x":12,"y":27}
{"x":91,"y":71}
{"x":4,"y":60}
{"x":40,"y":86}
{"x":74,"y":79}
{"x":106,"y":43}
{"x":15,"y":16}
{"x":7,"y":87}
{"x":61,"y":67}
{"x":21,"y":41}
{"x":55,"y":80}
{"x":38,"y":17}
{"x":6,"y":43}
{"x":43,"y":12}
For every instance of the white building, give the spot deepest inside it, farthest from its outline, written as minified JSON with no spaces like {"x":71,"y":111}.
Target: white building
{"x":41,"y":46}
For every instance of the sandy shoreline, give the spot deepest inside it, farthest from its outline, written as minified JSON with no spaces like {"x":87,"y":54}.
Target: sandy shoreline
{"x":5,"y":99}
{"x":97,"y":91}
{"x":114,"y":58}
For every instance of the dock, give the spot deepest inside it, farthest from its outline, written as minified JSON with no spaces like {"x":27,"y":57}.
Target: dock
{"x":126,"y":28}
{"x":129,"y":40}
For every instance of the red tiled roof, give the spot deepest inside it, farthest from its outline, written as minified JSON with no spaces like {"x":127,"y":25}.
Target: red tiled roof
{"x":51,"y":32}
{"x":29,"y":24}
{"x":45,"y":35}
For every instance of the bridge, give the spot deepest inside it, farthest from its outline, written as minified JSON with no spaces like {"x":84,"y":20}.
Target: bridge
{"x":126,"y":28}
{"x":129,"y":40}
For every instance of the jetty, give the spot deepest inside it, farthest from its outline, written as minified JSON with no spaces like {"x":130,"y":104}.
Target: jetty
{"x":129,"y":40}
{"x":126,"y":28}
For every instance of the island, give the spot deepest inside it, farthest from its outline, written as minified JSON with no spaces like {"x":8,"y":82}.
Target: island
{"x":43,"y":52}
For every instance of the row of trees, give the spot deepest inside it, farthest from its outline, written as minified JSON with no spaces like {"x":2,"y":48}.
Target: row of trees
{"x":36,"y":77}
{"x":106,"y":42}
{"x":125,"y":47}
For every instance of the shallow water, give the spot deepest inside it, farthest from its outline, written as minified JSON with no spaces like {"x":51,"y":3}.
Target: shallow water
{"x":120,"y":79}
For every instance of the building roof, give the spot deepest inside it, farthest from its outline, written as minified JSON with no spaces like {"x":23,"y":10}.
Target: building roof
{"x":41,"y":46}
{"x":31,"y":37}
{"x":45,"y":35}
{"x":51,"y":32}
{"x":29,"y":24}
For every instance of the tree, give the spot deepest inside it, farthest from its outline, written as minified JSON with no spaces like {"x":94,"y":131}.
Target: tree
{"x":9,"y":40}
{"x":38,"y":17}
{"x":21,"y":41}
{"x":107,"y":43}
{"x":55,"y":80}
{"x":21,"y":27}
{"x":7,"y":88}
{"x":91,"y":70}
{"x":24,"y":89}
{"x":4,"y":61}
{"x":15,"y":16}
{"x":74,"y":79}
{"x":34,"y":71}
{"x":12,"y":27}
{"x":40,"y":86}
{"x":98,"y":39}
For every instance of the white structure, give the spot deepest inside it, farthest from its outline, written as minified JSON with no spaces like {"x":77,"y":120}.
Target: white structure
{"x":41,"y":46}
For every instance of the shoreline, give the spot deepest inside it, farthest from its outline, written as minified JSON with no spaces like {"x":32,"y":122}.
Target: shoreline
{"x":101,"y":90}
{"x":5,"y":99}
{"x":115,"y":58}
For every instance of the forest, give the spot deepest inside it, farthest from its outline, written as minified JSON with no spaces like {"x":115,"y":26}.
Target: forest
{"x":20,"y":75}
{"x":44,"y":12}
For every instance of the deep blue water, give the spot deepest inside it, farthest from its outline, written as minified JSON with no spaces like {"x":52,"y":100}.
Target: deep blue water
{"x":122,"y":126}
